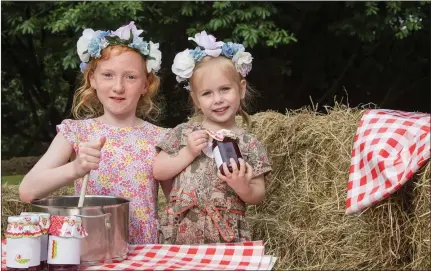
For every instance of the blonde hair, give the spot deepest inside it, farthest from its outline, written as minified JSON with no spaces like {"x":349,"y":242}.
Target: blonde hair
{"x":86,"y":104}
{"x":227,"y":65}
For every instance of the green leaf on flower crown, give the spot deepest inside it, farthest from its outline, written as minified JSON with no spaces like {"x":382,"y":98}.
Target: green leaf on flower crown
{"x":23,"y":261}
{"x":114,"y":40}
{"x":130,"y":40}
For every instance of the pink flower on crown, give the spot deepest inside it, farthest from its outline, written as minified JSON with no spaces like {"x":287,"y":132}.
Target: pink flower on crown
{"x":209,"y":43}
{"x":124,"y":31}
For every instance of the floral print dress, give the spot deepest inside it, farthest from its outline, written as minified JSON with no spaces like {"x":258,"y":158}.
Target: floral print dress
{"x":125,"y":170}
{"x":202,"y":208}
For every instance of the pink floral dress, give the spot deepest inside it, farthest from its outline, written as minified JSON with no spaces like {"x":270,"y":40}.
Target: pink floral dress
{"x":125,"y":169}
{"x":202,"y":208}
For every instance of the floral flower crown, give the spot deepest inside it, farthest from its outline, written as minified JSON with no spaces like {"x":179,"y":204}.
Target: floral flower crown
{"x":91,"y":43}
{"x":185,"y":61}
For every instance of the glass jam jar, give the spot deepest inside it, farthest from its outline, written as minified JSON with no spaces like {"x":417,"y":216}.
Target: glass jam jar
{"x":44,"y":223}
{"x":23,"y":243}
{"x":64,"y":243}
{"x":225,"y":149}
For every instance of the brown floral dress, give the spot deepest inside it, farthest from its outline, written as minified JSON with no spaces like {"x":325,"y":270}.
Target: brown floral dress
{"x":202,"y":208}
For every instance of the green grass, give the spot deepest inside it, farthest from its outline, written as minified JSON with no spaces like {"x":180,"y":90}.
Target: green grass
{"x":15,"y":179}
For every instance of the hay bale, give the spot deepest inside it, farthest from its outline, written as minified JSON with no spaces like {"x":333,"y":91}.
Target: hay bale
{"x":421,"y":221}
{"x":302,"y":220}
{"x":11,"y":205}
{"x":18,"y":165}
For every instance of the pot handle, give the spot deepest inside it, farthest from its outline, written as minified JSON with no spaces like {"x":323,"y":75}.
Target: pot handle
{"x":107,"y":218}
{"x":94,"y":216}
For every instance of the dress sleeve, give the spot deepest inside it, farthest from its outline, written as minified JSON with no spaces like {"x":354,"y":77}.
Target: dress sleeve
{"x":170,"y":142}
{"x":258,"y":158}
{"x":68,"y":128}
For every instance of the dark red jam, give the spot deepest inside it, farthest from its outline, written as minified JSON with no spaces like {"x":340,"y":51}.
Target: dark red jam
{"x":43,"y":265}
{"x":56,"y":267}
{"x":228,"y":148}
{"x":31,"y":268}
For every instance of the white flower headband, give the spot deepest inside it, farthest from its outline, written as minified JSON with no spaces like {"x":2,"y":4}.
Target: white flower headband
{"x":91,"y":43}
{"x":185,"y":61}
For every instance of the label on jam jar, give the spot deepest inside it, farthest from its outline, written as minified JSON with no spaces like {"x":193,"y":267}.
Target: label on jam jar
{"x":63,"y":250}
{"x":22,"y":252}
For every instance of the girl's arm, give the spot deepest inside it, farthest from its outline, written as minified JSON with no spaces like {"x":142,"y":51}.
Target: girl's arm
{"x":50,"y":173}
{"x":166,"y":166}
{"x":53,"y":171}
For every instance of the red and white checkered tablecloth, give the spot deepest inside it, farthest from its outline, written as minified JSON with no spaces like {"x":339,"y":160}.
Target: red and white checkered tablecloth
{"x":389,"y":147}
{"x":231,"y":256}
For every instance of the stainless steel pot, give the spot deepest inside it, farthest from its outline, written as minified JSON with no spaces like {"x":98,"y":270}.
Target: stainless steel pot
{"x":105,"y":218}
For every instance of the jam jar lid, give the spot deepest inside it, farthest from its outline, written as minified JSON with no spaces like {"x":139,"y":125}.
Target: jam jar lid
{"x":44,"y":220}
{"x":23,"y":226}
{"x":67,"y":226}
{"x":221,"y":134}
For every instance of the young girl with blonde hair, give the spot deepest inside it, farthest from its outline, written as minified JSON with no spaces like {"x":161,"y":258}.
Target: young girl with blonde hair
{"x":205,"y":205}
{"x":109,"y":138}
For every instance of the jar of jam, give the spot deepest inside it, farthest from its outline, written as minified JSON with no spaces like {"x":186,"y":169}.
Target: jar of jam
{"x":44,"y":223}
{"x":64,"y":243}
{"x":224,"y":150}
{"x":23,"y":243}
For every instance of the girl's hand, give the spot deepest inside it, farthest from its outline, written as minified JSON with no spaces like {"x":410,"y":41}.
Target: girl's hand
{"x":196,"y":141}
{"x":239,"y":179}
{"x":88,"y":156}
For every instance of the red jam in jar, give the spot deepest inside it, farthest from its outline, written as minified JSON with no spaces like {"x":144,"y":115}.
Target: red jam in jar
{"x":224,"y":150}
{"x":58,"y":267}
{"x":44,"y":264}
{"x":31,"y":268}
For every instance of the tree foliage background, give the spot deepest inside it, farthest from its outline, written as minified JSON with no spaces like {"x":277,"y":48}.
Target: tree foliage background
{"x":304,"y":53}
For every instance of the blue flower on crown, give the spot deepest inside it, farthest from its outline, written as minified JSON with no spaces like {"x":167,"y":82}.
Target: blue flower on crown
{"x":197,"y":54}
{"x":97,"y":44}
{"x":229,"y":49}
{"x":141,"y":45}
